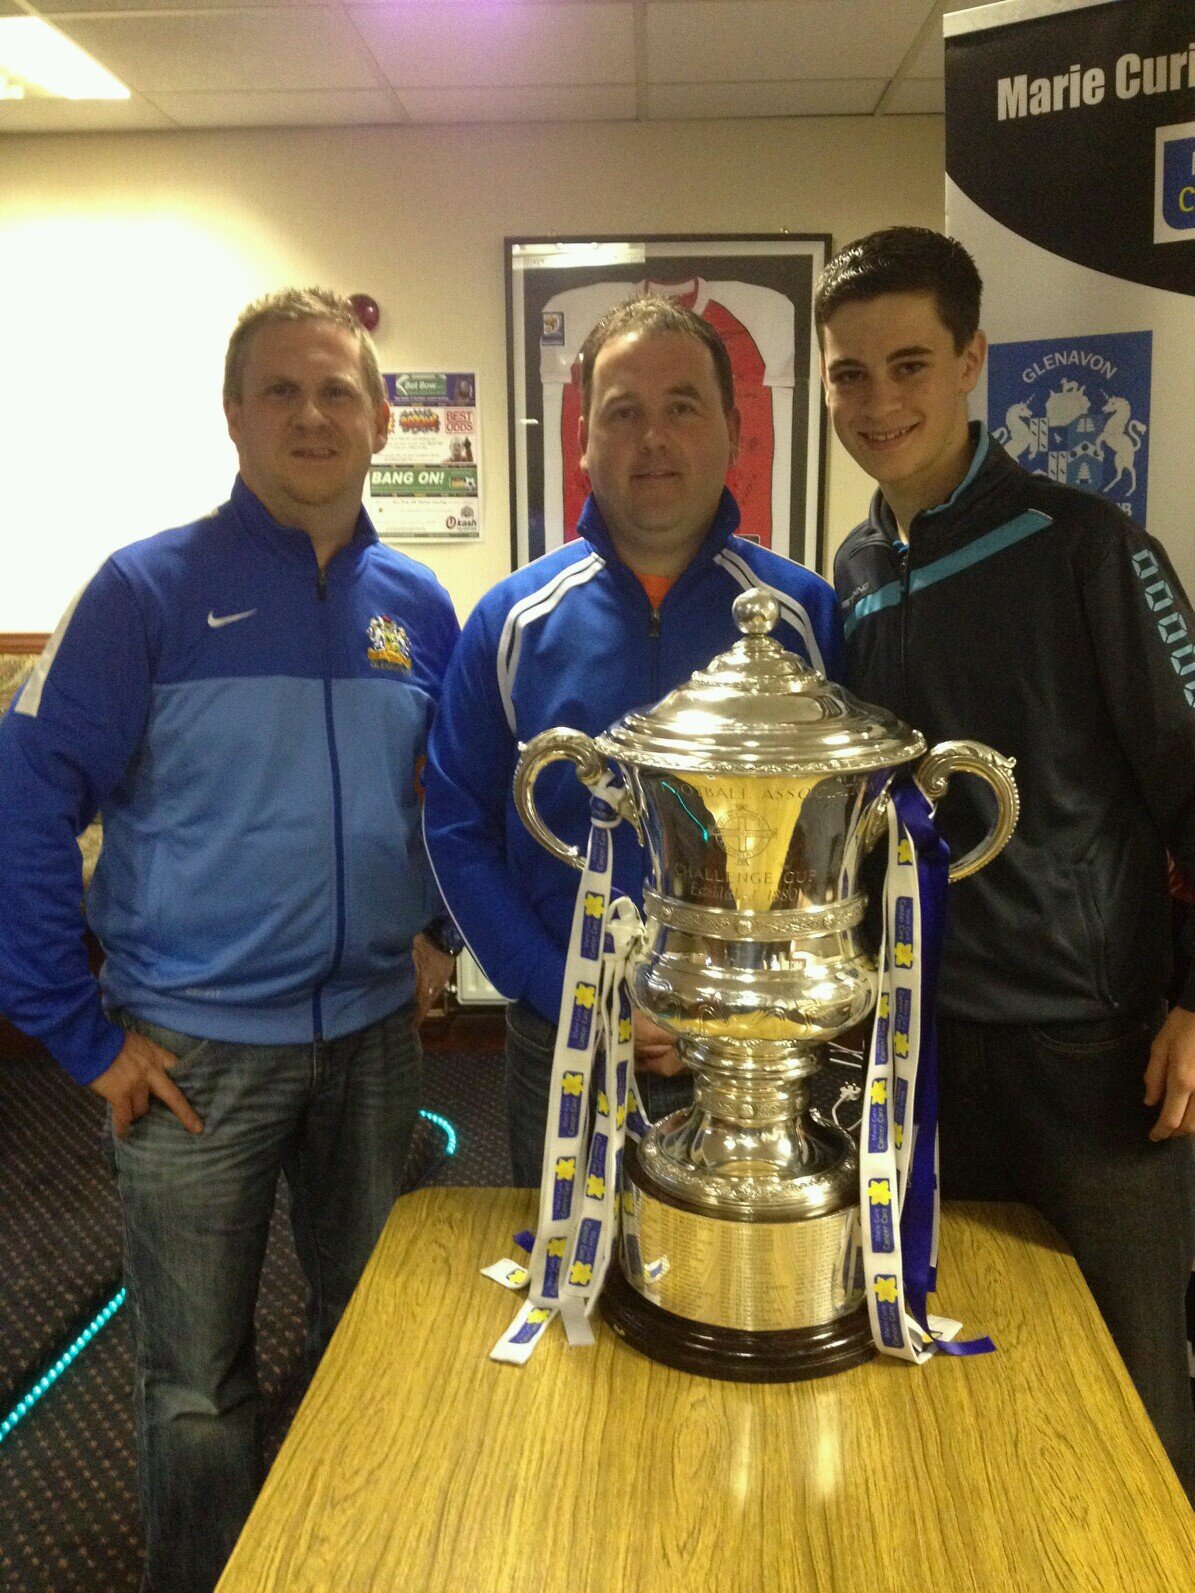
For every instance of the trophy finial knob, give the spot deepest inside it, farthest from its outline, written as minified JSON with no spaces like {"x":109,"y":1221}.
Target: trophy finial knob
{"x":755,"y":611}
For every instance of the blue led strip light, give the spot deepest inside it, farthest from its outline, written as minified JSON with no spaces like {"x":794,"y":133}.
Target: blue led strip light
{"x":446,"y":1128}
{"x":43,"y":1385}
{"x":22,"y":1408}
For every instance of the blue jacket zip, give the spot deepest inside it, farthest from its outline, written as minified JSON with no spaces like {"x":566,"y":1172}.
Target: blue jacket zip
{"x":317,"y":1024}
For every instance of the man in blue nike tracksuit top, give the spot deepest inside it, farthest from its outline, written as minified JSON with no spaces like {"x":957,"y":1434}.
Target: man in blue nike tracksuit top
{"x":608,"y":623}
{"x":246,"y":702}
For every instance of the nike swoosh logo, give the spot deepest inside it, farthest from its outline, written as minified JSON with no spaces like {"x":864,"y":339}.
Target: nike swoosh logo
{"x":228,"y":619}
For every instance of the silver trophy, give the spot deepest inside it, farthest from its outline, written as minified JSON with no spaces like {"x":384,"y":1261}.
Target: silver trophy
{"x":757,"y":788}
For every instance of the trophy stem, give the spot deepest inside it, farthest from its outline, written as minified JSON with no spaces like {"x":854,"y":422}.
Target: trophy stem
{"x":751,"y":1122}
{"x":736,"y":1098}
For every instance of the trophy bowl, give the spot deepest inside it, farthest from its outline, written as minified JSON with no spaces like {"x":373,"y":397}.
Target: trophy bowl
{"x":757,"y":790}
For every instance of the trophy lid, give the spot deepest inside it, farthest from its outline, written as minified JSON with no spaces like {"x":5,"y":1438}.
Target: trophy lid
{"x":757,"y":709}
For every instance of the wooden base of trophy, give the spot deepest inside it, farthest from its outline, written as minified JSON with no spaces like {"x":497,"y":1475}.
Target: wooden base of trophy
{"x":751,"y":1295}
{"x":784,"y":1355}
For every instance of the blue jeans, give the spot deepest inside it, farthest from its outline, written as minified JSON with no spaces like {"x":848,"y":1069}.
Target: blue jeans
{"x":1053,"y":1116}
{"x":530,"y":1042}
{"x":336,"y":1116}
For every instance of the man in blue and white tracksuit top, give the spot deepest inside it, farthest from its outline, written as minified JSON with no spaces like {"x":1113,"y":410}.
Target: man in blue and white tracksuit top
{"x":245,"y":701}
{"x":603,"y":625}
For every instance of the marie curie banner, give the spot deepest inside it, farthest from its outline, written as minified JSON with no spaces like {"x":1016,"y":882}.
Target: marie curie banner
{"x":1070,"y":176}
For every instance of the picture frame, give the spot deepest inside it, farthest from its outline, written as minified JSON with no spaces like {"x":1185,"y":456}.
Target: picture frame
{"x":757,"y":289}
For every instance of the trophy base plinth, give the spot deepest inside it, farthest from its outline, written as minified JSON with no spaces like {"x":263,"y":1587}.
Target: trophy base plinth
{"x":737,"y":1355}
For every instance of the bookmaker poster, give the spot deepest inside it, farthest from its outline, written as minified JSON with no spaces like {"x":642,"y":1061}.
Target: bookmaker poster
{"x":425,"y":484}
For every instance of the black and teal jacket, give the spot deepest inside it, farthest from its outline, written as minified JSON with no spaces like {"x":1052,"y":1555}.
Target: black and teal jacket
{"x":250,"y":729}
{"x":1040,"y":620}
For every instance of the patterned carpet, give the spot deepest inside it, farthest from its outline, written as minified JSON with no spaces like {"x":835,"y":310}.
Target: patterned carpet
{"x":68,"y":1508}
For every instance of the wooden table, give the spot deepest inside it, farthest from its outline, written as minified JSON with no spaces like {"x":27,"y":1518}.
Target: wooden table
{"x":417,"y":1465}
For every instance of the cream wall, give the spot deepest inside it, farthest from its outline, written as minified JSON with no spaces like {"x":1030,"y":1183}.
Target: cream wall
{"x":125,"y":258}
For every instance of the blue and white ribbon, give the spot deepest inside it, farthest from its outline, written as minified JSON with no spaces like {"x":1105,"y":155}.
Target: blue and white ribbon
{"x":898,"y":1132}
{"x":582,"y":1170}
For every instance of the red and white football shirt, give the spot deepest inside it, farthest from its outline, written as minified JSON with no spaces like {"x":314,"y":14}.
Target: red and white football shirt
{"x":758,"y":326}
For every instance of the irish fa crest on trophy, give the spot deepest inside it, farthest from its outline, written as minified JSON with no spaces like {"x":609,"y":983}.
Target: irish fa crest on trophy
{"x":757,"y":789}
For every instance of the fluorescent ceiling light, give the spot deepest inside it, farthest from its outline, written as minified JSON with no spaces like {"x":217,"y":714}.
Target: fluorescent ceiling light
{"x":37,"y":58}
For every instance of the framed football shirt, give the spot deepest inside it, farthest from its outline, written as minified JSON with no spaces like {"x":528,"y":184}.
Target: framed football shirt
{"x":756,"y":292}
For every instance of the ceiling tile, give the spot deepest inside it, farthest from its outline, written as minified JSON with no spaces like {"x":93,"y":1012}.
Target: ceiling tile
{"x":228,"y":51}
{"x":838,"y":97}
{"x":446,"y":45}
{"x":56,"y":9}
{"x":917,"y":96}
{"x":590,"y":103}
{"x":717,"y":41}
{"x":332,"y":62}
{"x":79,"y":116}
{"x":928,"y":60}
{"x":311,"y":108}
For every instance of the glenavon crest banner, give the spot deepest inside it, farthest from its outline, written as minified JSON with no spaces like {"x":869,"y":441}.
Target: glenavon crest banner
{"x":1070,"y":176}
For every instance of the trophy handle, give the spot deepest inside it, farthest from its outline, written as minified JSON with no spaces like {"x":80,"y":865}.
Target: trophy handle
{"x":949,"y":758}
{"x":569,"y":746}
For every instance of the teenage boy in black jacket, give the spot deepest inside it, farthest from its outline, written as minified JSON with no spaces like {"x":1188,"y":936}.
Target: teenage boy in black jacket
{"x":982,"y":601}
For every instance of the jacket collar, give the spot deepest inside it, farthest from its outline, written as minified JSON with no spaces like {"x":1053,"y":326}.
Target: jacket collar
{"x":592,"y":527}
{"x":991,"y":484}
{"x":289,"y":540}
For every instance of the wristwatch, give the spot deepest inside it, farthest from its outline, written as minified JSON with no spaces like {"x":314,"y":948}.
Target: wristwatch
{"x":445,"y":936}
